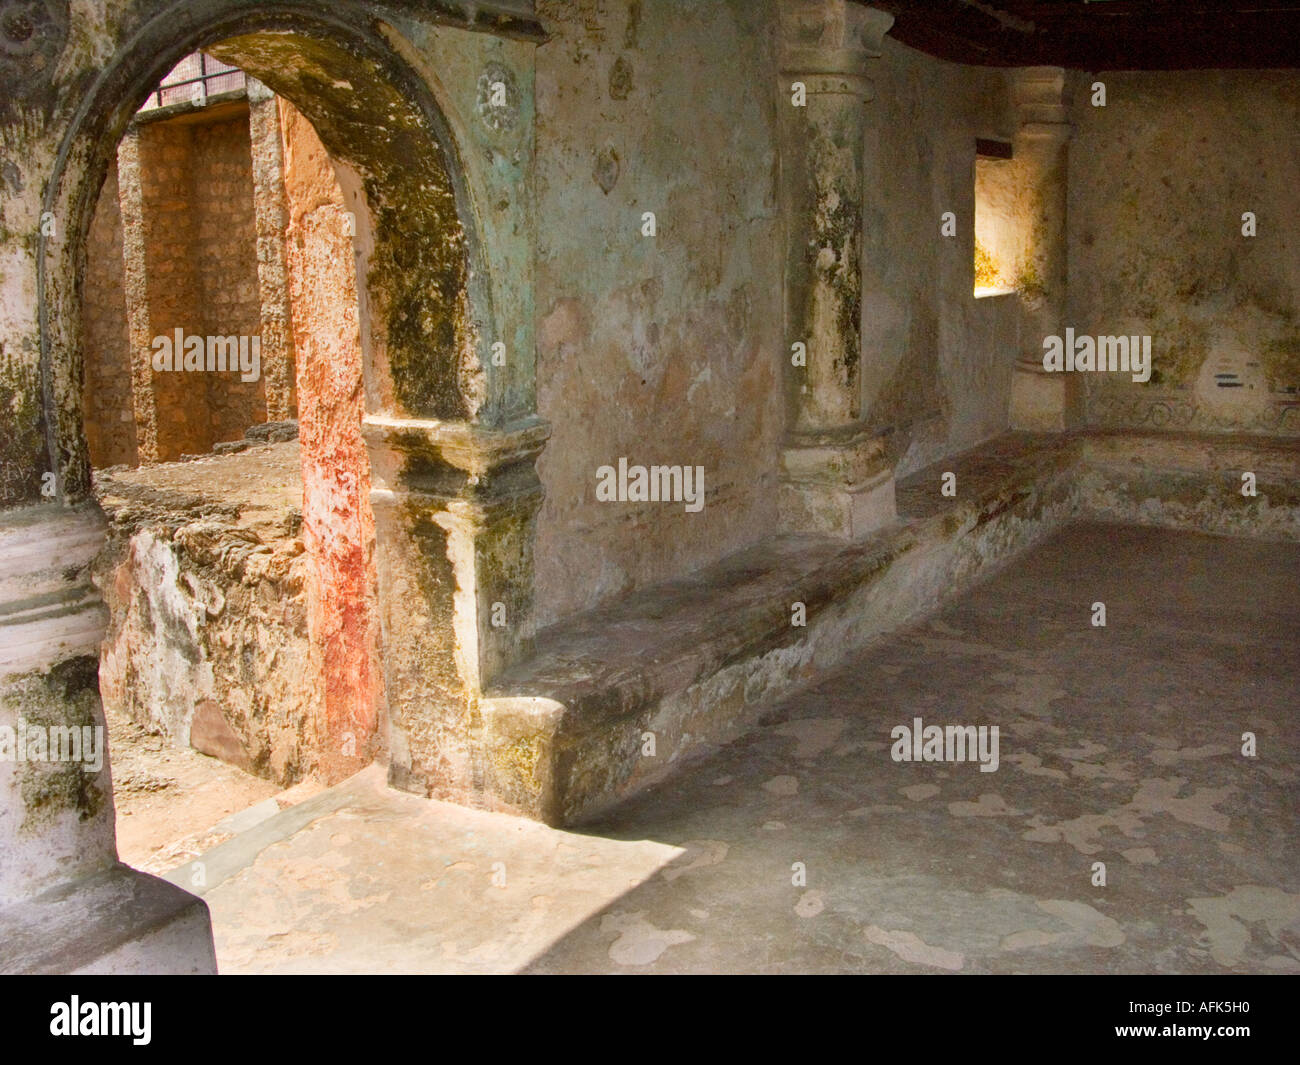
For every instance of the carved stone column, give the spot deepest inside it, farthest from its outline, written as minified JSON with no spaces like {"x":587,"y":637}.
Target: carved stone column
{"x":1039,"y":400}
{"x":836,"y":477}
{"x":66,"y":905}
{"x":57,"y":821}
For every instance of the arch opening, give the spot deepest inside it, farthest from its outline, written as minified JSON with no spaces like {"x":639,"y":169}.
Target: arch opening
{"x":420,"y":298}
{"x":425,"y":295}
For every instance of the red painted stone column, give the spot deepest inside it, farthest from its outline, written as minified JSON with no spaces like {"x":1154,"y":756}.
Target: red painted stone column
{"x":338,"y":524}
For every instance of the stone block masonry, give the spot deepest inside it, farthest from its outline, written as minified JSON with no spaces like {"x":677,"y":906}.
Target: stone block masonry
{"x":188,"y":234}
{"x":110,"y":415}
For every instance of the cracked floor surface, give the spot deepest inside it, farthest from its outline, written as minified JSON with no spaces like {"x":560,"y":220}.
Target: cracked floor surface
{"x":804,"y":847}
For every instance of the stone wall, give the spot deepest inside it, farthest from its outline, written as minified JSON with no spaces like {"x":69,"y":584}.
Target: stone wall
{"x":168,"y":287}
{"x":110,"y":417}
{"x":943,"y":357}
{"x":226,"y":232}
{"x":207,"y":583}
{"x":1159,"y":180}
{"x":187,"y":205}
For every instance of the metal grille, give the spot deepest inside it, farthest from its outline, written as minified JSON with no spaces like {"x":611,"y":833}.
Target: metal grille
{"x":193,"y":80}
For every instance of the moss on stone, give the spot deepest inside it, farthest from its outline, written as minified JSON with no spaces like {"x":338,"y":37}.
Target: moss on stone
{"x":1029,"y":282}
{"x":23,"y":425}
{"x":987,"y":274}
{"x":1281,"y":360}
{"x":519,"y":762}
{"x":67,"y":695}
{"x":419,"y":270}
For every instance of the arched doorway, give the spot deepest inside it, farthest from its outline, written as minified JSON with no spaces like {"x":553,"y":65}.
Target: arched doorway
{"x":450,"y":431}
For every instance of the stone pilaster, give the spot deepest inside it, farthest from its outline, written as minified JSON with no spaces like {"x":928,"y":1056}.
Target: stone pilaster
{"x":135,"y":280}
{"x":271,"y":214}
{"x":455,"y":506}
{"x":1042,"y":401}
{"x":836,"y":477}
{"x":66,"y":904}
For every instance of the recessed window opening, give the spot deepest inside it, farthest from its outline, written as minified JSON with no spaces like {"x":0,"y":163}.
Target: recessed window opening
{"x":996,"y":228}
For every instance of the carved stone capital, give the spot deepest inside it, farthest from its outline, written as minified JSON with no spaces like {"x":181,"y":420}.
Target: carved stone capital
{"x":456,"y":461}
{"x":830,"y":36}
{"x":1042,"y":102}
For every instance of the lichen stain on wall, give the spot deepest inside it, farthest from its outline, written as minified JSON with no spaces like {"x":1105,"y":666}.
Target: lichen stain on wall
{"x":66,"y":696}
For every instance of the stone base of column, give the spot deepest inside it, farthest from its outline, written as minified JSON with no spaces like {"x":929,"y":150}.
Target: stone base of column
{"x":66,"y":904}
{"x":837,"y":488}
{"x":120,"y":922}
{"x":455,"y":506}
{"x":1040,"y":402}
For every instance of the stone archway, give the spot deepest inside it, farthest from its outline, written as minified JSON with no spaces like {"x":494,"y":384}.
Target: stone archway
{"x":450,"y":428}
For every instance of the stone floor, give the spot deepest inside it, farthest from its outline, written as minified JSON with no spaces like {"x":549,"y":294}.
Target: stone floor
{"x":1119,"y":745}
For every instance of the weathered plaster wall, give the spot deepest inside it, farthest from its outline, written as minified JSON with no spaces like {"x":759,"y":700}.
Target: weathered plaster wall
{"x":1159,"y":180}
{"x":944,"y":358}
{"x":338,"y":524}
{"x":109,"y":414}
{"x":670,"y":349}
{"x":663,"y":349}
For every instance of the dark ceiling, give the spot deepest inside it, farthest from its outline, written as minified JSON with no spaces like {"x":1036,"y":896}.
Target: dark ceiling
{"x":1102,"y":34}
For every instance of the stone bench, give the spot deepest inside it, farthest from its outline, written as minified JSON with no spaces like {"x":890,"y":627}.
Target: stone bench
{"x":692,"y":662}
{"x":1192,"y":481}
